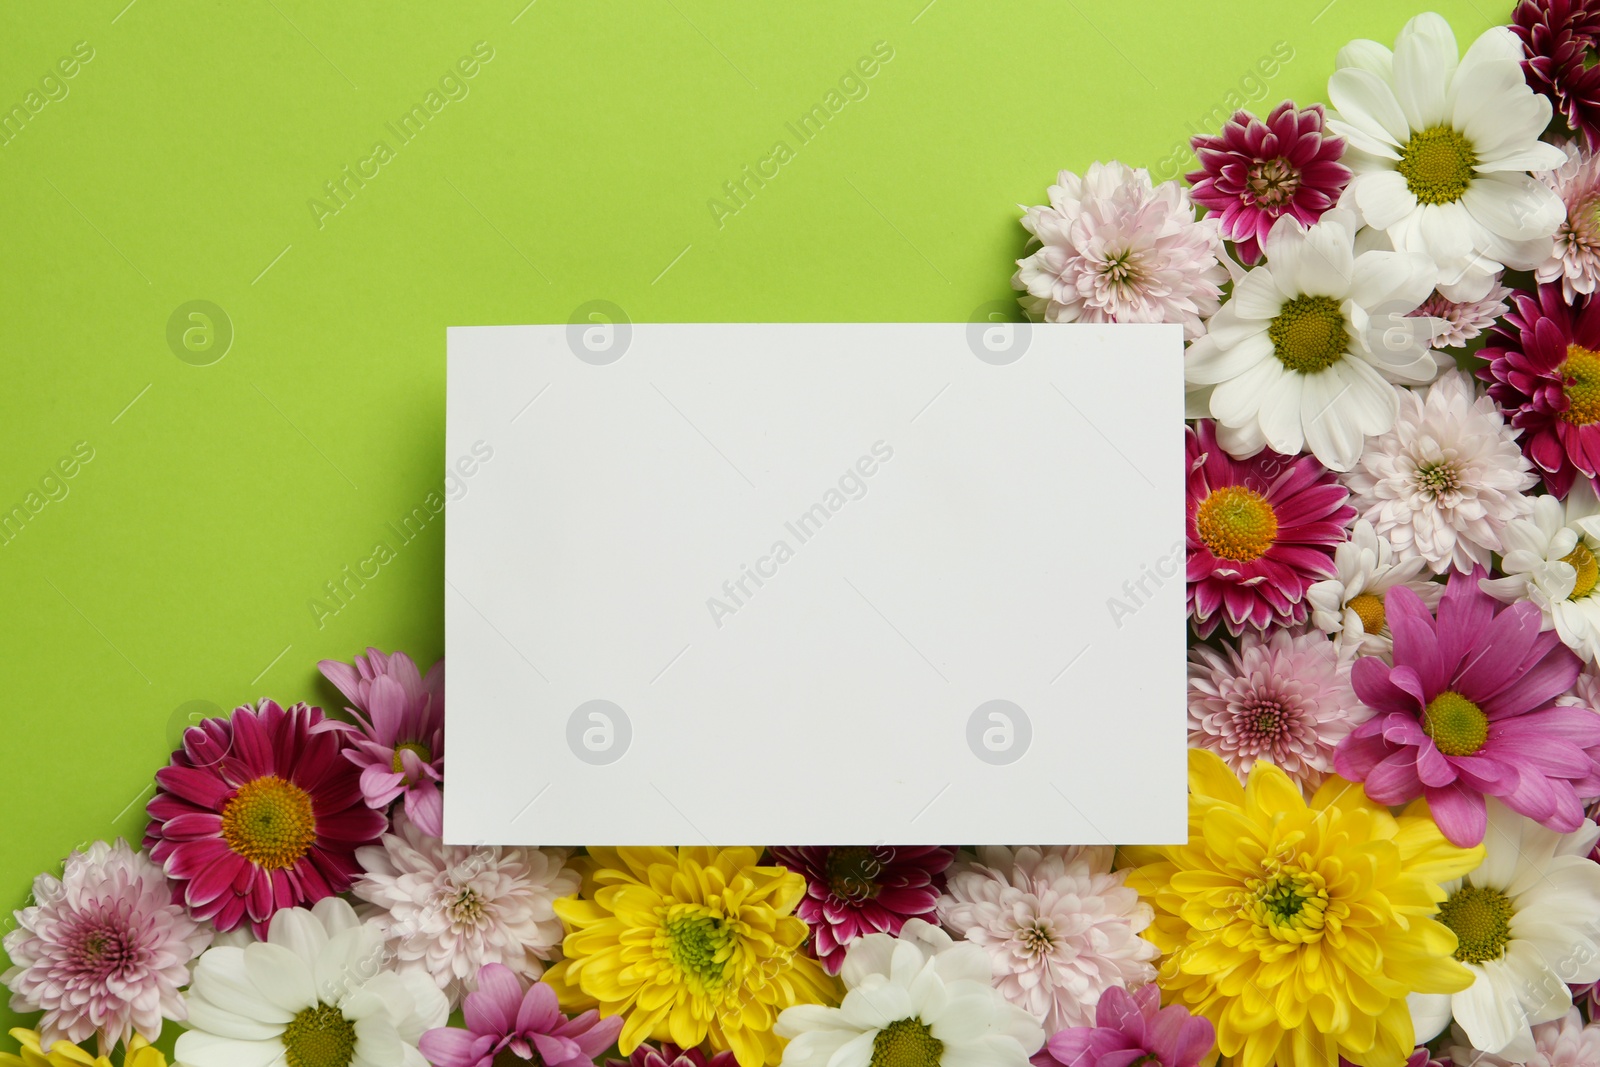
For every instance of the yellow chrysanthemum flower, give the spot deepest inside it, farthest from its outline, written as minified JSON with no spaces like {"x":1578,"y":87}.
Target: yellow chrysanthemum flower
{"x":1296,"y":928}
{"x":140,"y":1053}
{"x":692,"y":944}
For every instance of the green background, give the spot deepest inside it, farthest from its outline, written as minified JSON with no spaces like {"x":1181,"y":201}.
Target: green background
{"x":180,"y":164}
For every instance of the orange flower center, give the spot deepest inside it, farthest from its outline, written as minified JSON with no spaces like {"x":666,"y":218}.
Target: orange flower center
{"x":1369,"y":609}
{"x":270,"y":822}
{"x":1236,"y":524}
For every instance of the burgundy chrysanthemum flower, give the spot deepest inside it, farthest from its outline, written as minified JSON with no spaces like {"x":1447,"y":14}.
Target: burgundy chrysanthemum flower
{"x":1468,"y":710}
{"x":1261,"y":532}
{"x":1132,"y":1028}
{"x":1559,"y":36}
{"x":1544,"y":373}
{"x":259,"y":812}
{"x":856,"y":890}
{"x":1255,"y":171}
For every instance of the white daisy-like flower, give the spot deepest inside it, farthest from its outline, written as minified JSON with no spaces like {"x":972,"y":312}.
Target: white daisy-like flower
{"x":1575,"y":261}
{"x":1441,"y":145}
{"x":1349,"y":606}
{"x":1527,"y":924}
{"x":1455,"y":322}
{"x":1552,"y":558}
{"x":1059,"y":925}
{"x":1445,"y":481}
{"x":917,"y":1000}
{"x":447,"y":910}
{"x":1304,"y":354}
{"x":313,"y":994}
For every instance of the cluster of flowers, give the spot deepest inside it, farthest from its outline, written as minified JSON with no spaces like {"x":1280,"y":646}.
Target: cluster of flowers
{"x":1394,"y":700}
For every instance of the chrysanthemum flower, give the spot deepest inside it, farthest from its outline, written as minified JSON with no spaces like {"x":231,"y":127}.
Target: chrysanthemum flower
{"x":1260,"y":532}
{"x":1544,"y":372}
{"x":1527,"y":922}
{"x":1441,"y":145}
{"x":449,"y":910}
{"x":1132,"y":1028}
{"x":1468,"y":709}
{"x":1059,"y":926}
{"x":1255,"y":171}
{"x":398,"y":741}
{"x":258,"y":812}
{"x":1284,"y":698}
{"x":103,"y":950}
{"x":1552,"y":559}
{"x":692,"y":945}
{"x":1305,"y":354}
{"x":1559,"y":37}
{"x":1299,"y":928}
{"x":919,"y":1000}
{"x":1455,"y":322}
{"x":312,"y":994}
{"x":1114,"y":248}
{"x":507,"y":1024}
{"x":1444,"y":482}
{"x":864,"y":889}
{"x":1349,"y":606}
{"x":1575,"y":260}
{"x":33,"y":1053}
{"x":670,"y":1055}
{"x":1563,"y":1042}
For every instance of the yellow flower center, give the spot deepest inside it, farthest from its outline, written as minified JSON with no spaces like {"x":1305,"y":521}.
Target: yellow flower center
{"x":699,"y":944}
{"x":1437,"y":165}
{"x":1457,"y":725}
{"x":1236,"y":523}
{"x":421,"y":751}
{"x":906,"y":1043}
{"x":1580,"y":373}
{"x":1289,"y":905}
{"x":1369,"y":609}
{"x":319,"y":1037}
{"x":1588,"y":568}
{"x":1308,"y":334}
{"x":270,"y":822}
{"x":1481,"y":919}
{"x":853,"y":872}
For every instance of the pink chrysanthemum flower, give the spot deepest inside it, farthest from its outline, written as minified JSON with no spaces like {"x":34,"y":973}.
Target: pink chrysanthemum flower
{"x":399,"y":739}
{"x":1114,"y":248}
{"x":1132,"y":1028}
{"x":1558,"y":37}
{"x":855,"y":890}
{"x":1254,"y":171}
{"x":1059,"y":925}
{"x":1261,"y":532}
{"x":104,"y":950}
{"x":670,"y":1055}
{"x":1284,"y":698}
{"x":1564,"y":1041}
{"x":1468,"y":710}
{"x":1544,"y":372}
{"x":258,"y":812}
{"x":507,"y":1025}
{"x":1458,"y":321}
{"x":1575,"y":259}
{"x":1421,"y":1056}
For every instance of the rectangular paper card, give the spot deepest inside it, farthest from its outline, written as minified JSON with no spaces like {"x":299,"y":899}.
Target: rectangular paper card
{"x":815,"y":584}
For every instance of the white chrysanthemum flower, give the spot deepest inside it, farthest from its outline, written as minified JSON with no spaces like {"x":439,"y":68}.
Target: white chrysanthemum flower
{"x":1349,"y":606}
{"x":315,"y":992}
{"x":1304,"y":354}
{"x":1114,"y":248}
{"x":1444,"y":482}
{"x":1527,"y":923}
{"x":449,"y":909}
{"x":921,"y":1000}
{"x":1575,"y":261}
{"x":1552,"y":558}
{"x":1441,"y":145}
{"x":1059,"y":925}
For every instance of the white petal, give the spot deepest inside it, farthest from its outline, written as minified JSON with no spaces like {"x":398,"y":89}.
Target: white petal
{"x":196,"y":1049}
{"x":1425,"y":59}
{"x":1514,"y":206}
{"x":206,"y":1017}
{"x":1239,"y":400}
{"x":1430,"y":1014}
{"x":1280,"y":415}
{"x":1207,"y":364}
{"x":1255,"y":297}
{"x":1329,"y":435}
{"x":1382,"y":279}
{"x":297,"y":930}
{"x":281,"y":978}
{"x":1382,"y":197}
{"x":1367,"y":55}
{"x":1368,"y":103}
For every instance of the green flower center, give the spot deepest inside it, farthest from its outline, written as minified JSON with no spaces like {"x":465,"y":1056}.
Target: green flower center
{"x":1369,"y":609}
{"x":1583,"y":561}
{"x":1289,"y":905}
{"x":1273,"y":182}
{"x":1481,"y":919}
{"x":465,"y":907}
{"x":1236,"y":523}
{"x":1308,"y":334}
{"x":270,"y":822}
{"x":1457,"y":725}
{"x":1437,"y":165}
{"x":853,"y":872}
{"x":1580,"y":374}
{"x":1437,"y":479}
{"x":700,"y":945}
{"x":319,"y":1037}
{"x":906,"y":1043}
{"x":421,"y":751}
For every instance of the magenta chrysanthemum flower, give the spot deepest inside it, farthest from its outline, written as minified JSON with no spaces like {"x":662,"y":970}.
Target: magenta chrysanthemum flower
{"x":258,"y":812}
{"x":1544,"y":373}
{"x":1255,"y":171}
{"x":1261,"y":532}
{"x":506,"y":1025}
{"x":1558,"y":37}
{"x":1421,"y":1056}
{"x":399,"y":739}
{"x":670,"y":1055}
{"x":1132,"y":1028}
{"x":104,"y":950}
{"x":1468,"y":710}
{"x":856,"y":890}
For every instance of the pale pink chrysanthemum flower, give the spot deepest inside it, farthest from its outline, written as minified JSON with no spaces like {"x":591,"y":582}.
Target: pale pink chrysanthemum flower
{"x":104,"y":950}
{"x":1561,"y":1042}
{"x":1284,"y":698}
{"x":1458,"y":321}
{"x":1059,"y":925}
{"x":1576,"y":258}
{"x":1114,"y":248}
